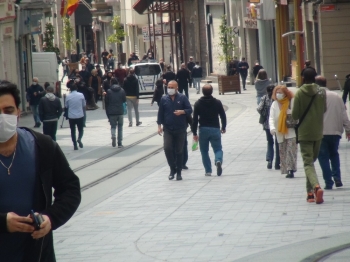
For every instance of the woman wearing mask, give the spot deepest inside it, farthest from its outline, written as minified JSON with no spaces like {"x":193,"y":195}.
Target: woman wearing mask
{"x":264,"y":109}
{"x":261,"y":84}
{"x":95,"y":83}
{"x":280,"y":116}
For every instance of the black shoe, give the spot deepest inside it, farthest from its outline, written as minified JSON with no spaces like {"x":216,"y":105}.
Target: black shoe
{"x":138,"y":124}
{"x":38,"y":124}
{"x":184,"y":167}
{"x":130,"y":124}
{"x":218,"y":168}
{"x":113,"y":142}
{"x":328,"y":187}
{"x":80,"y":143}
{"x":277,"y":168}
{"x":290,"y":174}
{"x":269,"y":165}
{"x":76,"y":147}
{"x":120,"y":145}
{"x":338,"y":183}
{"x":172,"y":174}
{"x":244,"y":89}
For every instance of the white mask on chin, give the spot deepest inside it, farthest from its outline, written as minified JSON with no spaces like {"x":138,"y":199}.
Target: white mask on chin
{"x":171,"y":92}
{"x":8,"y":126}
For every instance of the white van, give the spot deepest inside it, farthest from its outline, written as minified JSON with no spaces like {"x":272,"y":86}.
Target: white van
{"x":45,"y":68}
{"x":147,"y":73}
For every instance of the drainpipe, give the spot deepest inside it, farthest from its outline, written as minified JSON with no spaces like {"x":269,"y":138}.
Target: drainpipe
{"x":20,"y":66}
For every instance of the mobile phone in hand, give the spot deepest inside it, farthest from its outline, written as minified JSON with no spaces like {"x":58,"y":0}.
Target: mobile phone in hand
{"x":37,"y":219}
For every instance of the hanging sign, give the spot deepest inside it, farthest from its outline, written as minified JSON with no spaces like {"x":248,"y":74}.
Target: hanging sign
{"x":327,"y":8}
{"x":250,"y":23}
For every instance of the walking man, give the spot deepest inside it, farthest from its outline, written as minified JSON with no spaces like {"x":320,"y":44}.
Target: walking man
{"x":50,"y":110}
{"x":183,"y":78}
{"x":310,"y":102}
{"x":197,"y":74}
{"x":172,"y":113}
{"x":190,"y":66}
{"x":168,"y":76}
{"x":334,"y":121}
{"x":31,"y":167}
{"x":65,"y":67}
{"x":131,"y":88}
{"x":207,"y":111}
{"x":34,"y":94}
{"x":243,"y":71}
{"x":76,"y":106}
{"x":115,"y":98}
{"x":120,"y":74}
{"x":104,"y":58}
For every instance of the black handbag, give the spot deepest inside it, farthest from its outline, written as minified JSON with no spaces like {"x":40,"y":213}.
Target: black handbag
{"x":263,"y":114}
{"x":302,"y":118}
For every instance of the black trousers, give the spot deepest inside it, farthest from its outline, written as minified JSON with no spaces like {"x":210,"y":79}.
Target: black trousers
{"x":174,"y":138}
{"x":79,"y":122}
{"x":182,"y":88}
{"x":184,"y":152}
{"x":50,"y":129}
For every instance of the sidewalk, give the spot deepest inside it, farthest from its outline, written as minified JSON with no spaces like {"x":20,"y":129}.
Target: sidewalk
{"x":245,"y":214}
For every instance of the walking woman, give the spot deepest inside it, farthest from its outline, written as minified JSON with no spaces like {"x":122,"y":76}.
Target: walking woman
{"x":282,"y":124}
{"x":264,"y":110}
{"x":261,"y":84}
{"x":95,"y":82}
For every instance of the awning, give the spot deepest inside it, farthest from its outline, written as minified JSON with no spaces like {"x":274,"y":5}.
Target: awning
{"x":142,"y":5}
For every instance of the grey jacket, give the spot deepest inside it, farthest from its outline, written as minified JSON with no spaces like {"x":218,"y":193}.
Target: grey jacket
{"x":114,"y":100}
{"x":260,"y":86}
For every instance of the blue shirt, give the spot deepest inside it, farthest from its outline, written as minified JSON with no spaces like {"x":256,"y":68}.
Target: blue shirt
{"x":75,"y":103}
{"x":167,"y":107}
{"x":17,"y":193}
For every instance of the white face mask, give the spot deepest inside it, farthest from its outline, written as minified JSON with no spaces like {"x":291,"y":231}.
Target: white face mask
{"x":35,"y":83}
{"x":77,"y":80}
{"x":280,"y":96}
{"x":8,"y":126}
{"x":171,"y":92}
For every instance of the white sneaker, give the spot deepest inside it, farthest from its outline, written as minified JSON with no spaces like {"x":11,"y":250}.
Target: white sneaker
{"x":207,"y":174}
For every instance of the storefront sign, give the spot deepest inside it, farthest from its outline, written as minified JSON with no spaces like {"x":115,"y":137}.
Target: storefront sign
{"x":327,"y":8}
{"x":250,"y":23}
{"x":145,"y":32}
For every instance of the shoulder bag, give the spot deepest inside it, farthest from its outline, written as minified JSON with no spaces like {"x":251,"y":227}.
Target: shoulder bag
{"x":290,"y":122}
{"x":263,"y":114}
{"x":302,"y":118}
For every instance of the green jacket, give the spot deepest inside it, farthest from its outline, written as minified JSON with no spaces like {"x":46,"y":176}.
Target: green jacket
{"x":311,"y":129}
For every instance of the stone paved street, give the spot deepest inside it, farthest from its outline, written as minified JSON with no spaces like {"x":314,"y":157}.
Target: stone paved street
{"x":248,"y":214}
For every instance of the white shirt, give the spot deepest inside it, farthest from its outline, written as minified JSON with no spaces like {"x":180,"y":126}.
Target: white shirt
{"x":75,"y":103}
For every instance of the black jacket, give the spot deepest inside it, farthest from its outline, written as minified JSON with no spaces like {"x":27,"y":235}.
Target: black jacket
{"x":197,"y":72}
{"x":346,"y":89}
{"x":114,"y":100}
{"x":183,"y":76}
{"x":190,"y":65}
{"x":158,"y":93}
{"x":55,"y":173}
{"x":131,"y":86}
{"x":106,"y":84}
{"x":256,"y":70}
{"x":49,"y":109}
{"x":34,"y":100}
{"x":169,"y":76}
{"x":208,"y":109}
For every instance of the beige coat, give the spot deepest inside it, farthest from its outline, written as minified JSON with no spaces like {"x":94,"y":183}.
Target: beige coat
{"x":273,"y":122}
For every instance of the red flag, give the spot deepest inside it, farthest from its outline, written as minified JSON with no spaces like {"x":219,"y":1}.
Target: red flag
{"x":72,"y":5}
{"x":63,"y":8}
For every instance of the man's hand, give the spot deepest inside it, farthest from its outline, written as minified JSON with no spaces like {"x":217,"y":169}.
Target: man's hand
{"x":16,"y":223}
{"x":179,"y":112}
{"x":104,"y":93}
{"x":45,"y":228}
{"x":348,"y":136}
{"x":273,"y":132}
{"x":195,"y":138}
{"x":137,"y":101}
{"x":35,"y":93}
{"x":223,"y":131}
{"x":151,"y":104}
{"x":160,"y":130}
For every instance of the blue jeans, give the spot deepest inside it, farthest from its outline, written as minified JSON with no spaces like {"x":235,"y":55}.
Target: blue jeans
{"x":197,"y":83}
{"x":117,"y":120}
{"x":210,"y":135}
{"x":328,"y":158}
{"x":258,"y":99}
{"x":244,"y":79}
{"x":35,"y":111}
{"x":270,"y":152}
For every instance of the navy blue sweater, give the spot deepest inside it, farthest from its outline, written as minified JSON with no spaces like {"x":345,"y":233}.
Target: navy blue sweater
{"x":167,"y":107}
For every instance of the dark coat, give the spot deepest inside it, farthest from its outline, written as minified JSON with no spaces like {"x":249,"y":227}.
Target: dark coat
{"x":55,"y":173}
{"x":197,"y":72}
{"x":158,"y":93}
{"x":32,"y":99}
{"x":169,"y":76}
{"x":49,"y":109}
{"x":131,"y":86}
{"x":183,"y":76}
{"x":114,"y":100}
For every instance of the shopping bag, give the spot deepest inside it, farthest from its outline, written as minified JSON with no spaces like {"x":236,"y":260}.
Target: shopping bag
{"x":194,"y":145}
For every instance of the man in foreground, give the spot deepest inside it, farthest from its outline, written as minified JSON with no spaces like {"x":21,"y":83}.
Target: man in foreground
{"x":207,"y":111}
{"x":310,"y":102}
{"x":31,"y":166}
{"x":173,"y":109}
